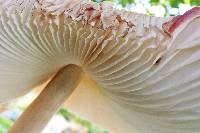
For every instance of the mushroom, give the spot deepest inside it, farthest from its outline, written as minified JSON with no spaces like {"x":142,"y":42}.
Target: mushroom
{"x":126,"y":71}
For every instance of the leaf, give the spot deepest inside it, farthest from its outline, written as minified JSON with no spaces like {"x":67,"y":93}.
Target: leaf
{"x":175,"y":3}
{"x":5,"y":124}
{"x":187,"y":1}
{"x":71,"y":117}
{"x":195,"y":2}
{"x":125,"y":2}
{"x":153,"y":2}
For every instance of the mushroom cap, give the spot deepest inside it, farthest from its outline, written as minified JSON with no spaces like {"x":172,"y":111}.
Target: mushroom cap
{"x":145,"y":69}
{"x":39,"y":38}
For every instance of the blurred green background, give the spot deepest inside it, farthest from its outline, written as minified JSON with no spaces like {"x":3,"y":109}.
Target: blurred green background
{"x":67,"y":122}
{"x":156,"y":7}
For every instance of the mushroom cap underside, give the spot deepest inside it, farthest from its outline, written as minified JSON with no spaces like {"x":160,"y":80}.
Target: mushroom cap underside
{"x":144,"y":66}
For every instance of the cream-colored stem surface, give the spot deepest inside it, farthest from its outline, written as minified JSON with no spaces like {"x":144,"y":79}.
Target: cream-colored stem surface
{"x":37,"y":115}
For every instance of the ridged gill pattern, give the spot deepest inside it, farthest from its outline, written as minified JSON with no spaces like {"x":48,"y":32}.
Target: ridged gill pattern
{"x":145,"y":71}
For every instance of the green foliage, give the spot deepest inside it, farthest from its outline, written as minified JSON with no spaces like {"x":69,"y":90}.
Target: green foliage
{"x":175,"y":3}
{"x":154,"y":2}
{"x":165,"y":4}
{"x":72,"y":117}
{"x":124,"y":2}
{"x":5,"y":124}
{"x":195,"y":2}
{"x":172,"y":3}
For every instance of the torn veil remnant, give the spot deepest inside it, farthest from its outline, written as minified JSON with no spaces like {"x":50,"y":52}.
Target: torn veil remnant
{"x":118,"y":50}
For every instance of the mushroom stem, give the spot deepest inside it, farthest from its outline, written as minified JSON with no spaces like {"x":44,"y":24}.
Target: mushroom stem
{"x":37,"y":115}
